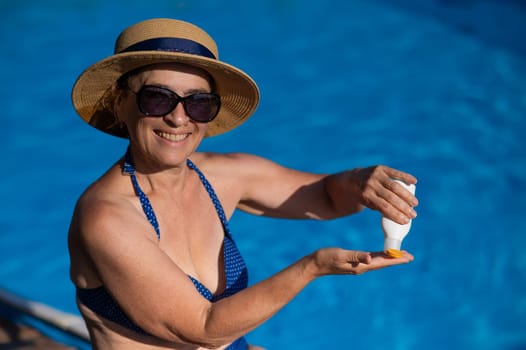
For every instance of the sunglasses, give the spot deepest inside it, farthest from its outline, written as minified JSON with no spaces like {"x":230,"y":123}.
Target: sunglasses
{"x":157,"y":101}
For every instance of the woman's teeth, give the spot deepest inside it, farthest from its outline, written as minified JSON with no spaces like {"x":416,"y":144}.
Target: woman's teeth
{"x":172,"y":137}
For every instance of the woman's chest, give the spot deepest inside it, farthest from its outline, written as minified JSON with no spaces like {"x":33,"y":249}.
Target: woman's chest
{"x":192,"y":236}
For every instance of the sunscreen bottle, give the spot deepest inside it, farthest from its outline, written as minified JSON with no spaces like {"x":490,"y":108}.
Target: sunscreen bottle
{"x":394,"y":233}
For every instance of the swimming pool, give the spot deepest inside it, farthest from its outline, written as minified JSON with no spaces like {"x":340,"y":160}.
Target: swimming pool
{"x":344,"y":84}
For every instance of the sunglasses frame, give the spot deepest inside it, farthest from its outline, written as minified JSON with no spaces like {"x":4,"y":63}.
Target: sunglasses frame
{"x":178,"y":99}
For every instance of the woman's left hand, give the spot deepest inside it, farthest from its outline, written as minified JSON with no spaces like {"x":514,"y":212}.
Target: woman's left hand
{"x":372,"y":187}
{"x":379,"y":192}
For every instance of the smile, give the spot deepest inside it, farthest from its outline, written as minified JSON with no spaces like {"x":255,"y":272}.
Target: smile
{"x":172,"y":137}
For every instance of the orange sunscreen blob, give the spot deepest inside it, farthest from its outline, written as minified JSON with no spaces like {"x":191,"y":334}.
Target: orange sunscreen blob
{"x":394,"y":253}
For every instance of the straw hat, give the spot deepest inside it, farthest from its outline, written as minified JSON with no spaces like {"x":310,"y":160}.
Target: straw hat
{"x":164,"y":40}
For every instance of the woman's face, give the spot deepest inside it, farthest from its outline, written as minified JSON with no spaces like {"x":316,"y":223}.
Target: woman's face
{"x":169,"y":139}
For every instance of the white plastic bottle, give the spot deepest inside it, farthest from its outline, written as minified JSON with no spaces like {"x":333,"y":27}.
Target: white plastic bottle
{"x":395,"y":233}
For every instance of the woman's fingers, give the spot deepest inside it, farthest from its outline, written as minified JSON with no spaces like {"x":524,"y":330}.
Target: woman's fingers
{"x":406,"y":256}
{"x":400,"y":175}
{"x":336,"y":261}
{"x":381,"y":260}
{"x":380,"y":192}
{"x":355,"y":256}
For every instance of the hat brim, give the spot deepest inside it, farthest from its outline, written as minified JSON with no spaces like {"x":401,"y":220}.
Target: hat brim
{"x":239,"y":93}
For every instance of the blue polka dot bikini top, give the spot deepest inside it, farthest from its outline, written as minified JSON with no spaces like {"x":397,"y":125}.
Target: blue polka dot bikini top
{"x":102,"y":303}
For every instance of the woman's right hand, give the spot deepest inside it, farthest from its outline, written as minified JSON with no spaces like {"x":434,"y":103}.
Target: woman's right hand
{"x":337,"y":261}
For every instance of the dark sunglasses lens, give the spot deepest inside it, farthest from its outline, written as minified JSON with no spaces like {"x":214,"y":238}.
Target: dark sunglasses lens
{"x":156,"y":101}
{"x":202,"y":107}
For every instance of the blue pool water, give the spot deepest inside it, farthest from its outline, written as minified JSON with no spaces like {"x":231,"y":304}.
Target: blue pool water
{"x":437,"y":88}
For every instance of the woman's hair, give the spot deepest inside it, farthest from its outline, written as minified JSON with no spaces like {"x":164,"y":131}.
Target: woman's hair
{"x":104,"y":117}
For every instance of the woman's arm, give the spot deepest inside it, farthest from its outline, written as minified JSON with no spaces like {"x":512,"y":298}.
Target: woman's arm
{"x":251,"y":307}
{"x":372,"y":187}
{"x":270,"y":189}
{"x":160,"y":298}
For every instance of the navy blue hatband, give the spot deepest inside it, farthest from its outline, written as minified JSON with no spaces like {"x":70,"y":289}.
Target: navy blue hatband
{"x":171,"y":45}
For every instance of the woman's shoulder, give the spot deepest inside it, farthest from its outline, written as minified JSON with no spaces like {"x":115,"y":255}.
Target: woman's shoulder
{"x":107,"y":200}
{"x":105,"y":190}
{"x":212,"y":157}
{"x":238,"y":162}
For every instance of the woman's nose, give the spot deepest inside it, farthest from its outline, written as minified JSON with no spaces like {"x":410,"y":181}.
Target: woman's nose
{"x":178,"y":116}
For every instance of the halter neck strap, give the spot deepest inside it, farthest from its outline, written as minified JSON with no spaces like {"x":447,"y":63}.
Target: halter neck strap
{"x":129,"y":169}
{"x":145,"y":202}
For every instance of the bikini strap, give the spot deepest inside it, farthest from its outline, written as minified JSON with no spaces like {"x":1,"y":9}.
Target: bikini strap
{"x":213,"y":196}
{"x":147,"y":206}
{"x":145,"y":202}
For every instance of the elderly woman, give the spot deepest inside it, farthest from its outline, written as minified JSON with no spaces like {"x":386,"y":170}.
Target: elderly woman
{"x":152,"y":256}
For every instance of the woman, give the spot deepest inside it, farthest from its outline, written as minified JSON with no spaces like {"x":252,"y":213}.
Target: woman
{"x":152,"y":256}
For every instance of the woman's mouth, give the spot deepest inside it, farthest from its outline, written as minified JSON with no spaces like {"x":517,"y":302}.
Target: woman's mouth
{"x":172,"y":137}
